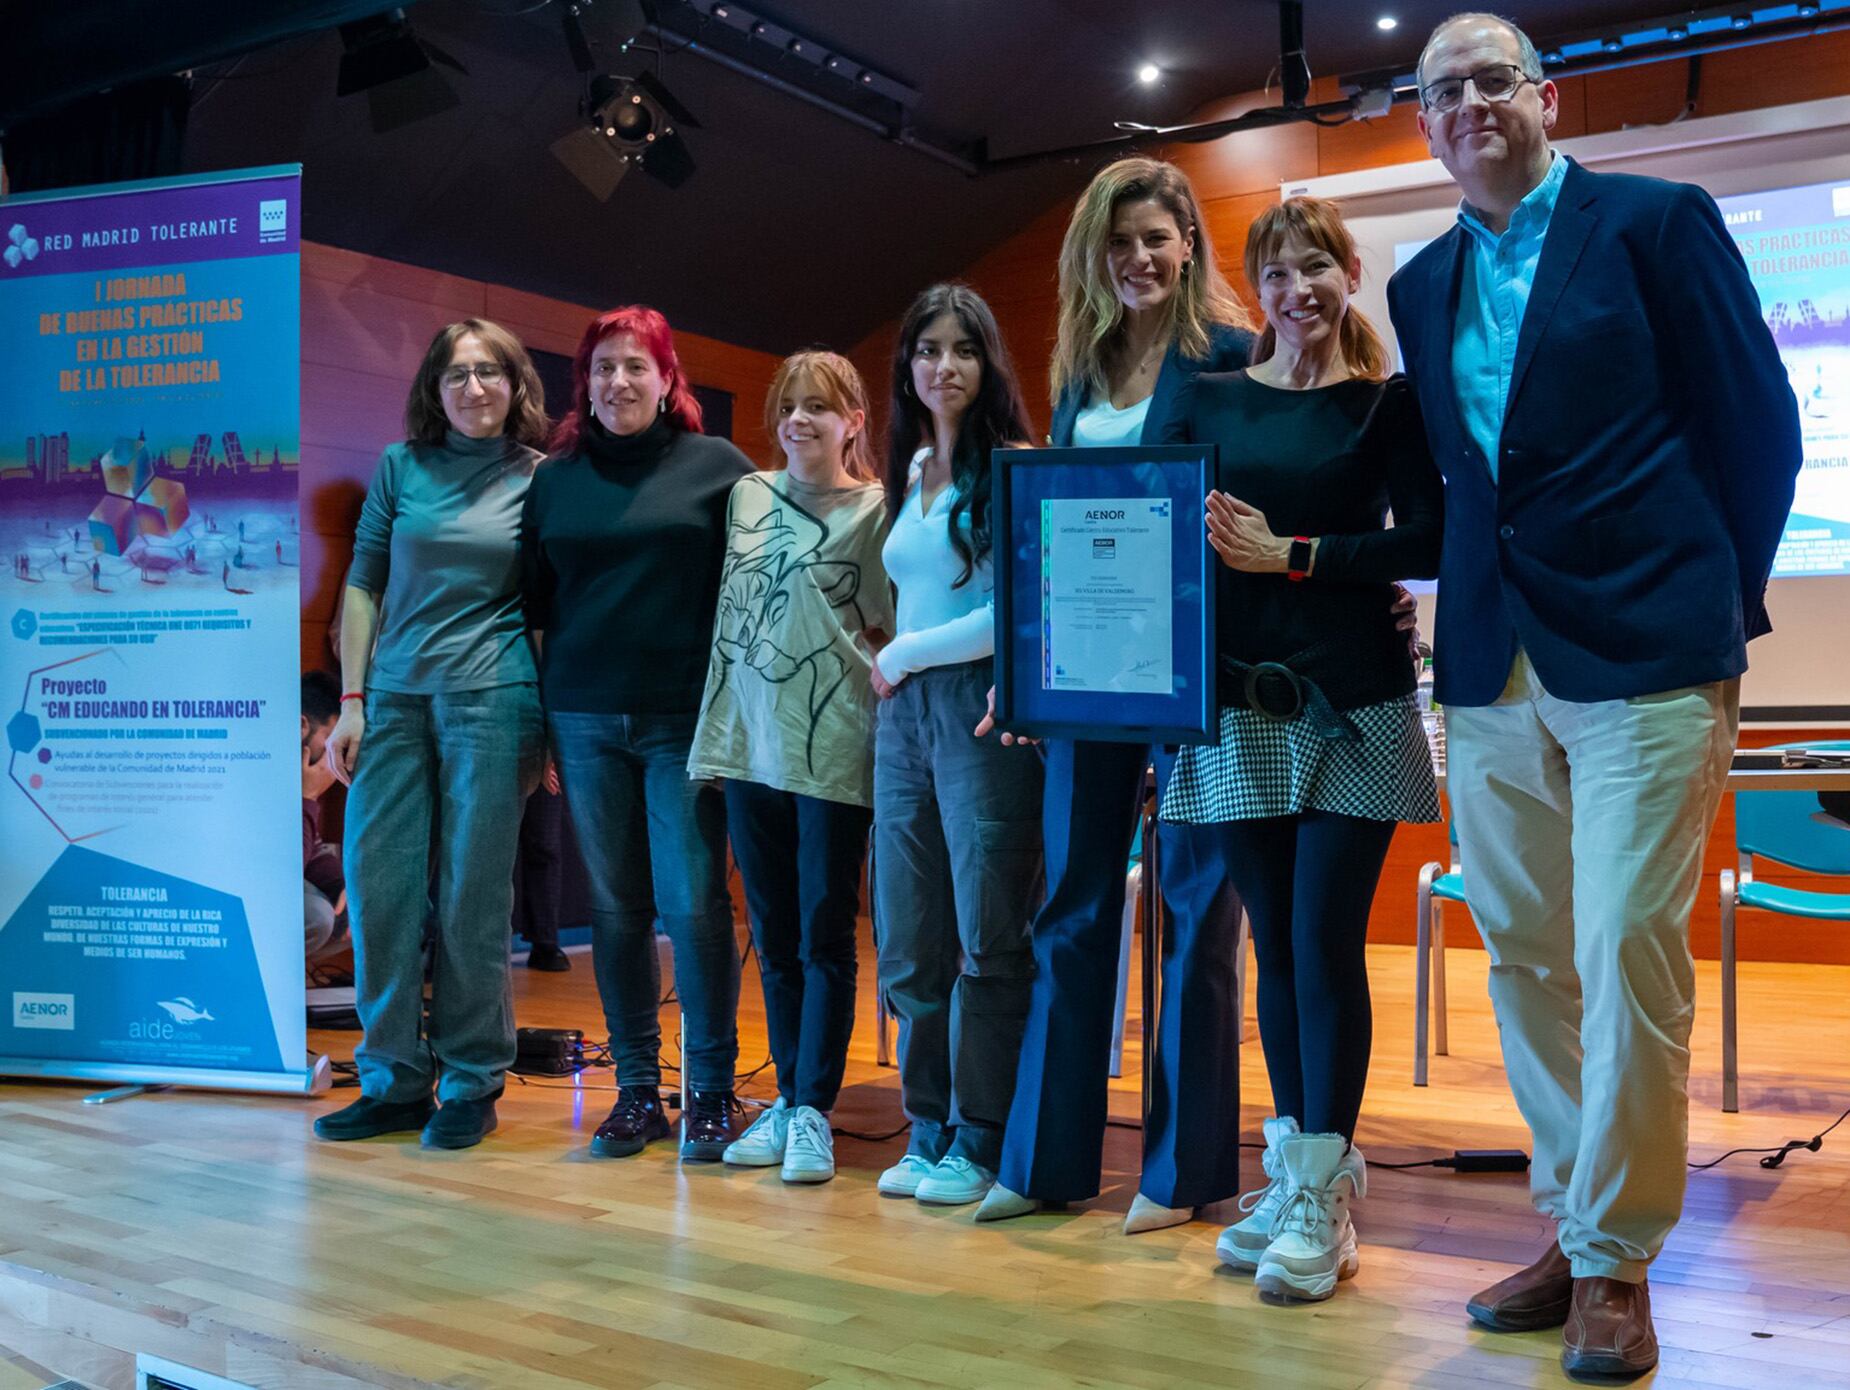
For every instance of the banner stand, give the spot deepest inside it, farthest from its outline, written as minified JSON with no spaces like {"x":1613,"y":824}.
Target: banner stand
{"x":151,"y":899}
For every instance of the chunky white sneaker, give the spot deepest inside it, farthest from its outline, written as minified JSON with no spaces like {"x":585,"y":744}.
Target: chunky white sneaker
{"x":762,"y":1145}
{"x":809,"y":1154}
{"x":1242,"y":1243}
{"x":1313,"y":1241}
{"x":904,"y":1177}
{"x":955,"y":1182}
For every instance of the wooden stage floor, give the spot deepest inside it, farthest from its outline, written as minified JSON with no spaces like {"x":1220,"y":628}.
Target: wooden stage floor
{"x":217,"y":1232}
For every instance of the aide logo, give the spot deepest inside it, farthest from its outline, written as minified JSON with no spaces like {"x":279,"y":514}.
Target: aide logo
{"x":21,"y":247}
{"x":57,"y":1011}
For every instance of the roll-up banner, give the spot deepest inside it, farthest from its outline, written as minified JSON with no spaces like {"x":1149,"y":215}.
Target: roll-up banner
{"x":151,"y":925}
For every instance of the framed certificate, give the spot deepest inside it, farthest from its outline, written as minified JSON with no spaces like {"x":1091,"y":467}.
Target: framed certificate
{"x":1105,"y":593}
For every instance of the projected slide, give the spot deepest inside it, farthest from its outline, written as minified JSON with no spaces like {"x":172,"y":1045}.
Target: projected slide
{"x":1796,"y":242}
{"x":1797,"y":245}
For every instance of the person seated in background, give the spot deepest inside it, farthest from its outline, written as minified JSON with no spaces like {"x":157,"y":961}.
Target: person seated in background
{"x":324,"y":888}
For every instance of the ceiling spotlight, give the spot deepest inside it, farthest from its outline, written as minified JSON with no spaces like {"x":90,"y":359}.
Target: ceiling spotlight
{"x":1678,"y":32}
{"x":833,"y":62}
{"x":1806,"y":11}
{"x":721,"y":12}
{"x":1148,"y":73}
{"x":795,"y":46}
{"x":1742,"y":21}
{"x":758,"y":28}
{"x":381,"y":57}
{"x":631,"y":122}
{"x":1614,"y":45}
{"x":1386,"y":23}
{"x":1553,"y":57}
{"x":866,"y":78}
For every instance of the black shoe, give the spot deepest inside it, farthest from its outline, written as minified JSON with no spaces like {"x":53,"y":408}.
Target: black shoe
{"x":548,"y":958}
{"x":633,"y":1121}
{"x":461,"y":1124}
{"x":706,"y":1125}
{"x":367,"y":1117}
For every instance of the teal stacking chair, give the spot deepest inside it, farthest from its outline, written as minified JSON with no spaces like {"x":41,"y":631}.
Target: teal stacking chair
{"x":1780,"y":826}
{"x":1439,"y":884}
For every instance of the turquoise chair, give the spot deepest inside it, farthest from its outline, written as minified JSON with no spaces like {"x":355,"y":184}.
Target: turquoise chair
{"x":1439,"y":885}
{"x":1780,"y":826}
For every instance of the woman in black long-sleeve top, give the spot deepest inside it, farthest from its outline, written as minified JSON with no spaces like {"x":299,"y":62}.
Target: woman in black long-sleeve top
{"x":1321,"y":748}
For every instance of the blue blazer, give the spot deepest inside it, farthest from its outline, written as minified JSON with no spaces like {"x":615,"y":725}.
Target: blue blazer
{"x":1646,"y":466}
{"x":1228,"y":350}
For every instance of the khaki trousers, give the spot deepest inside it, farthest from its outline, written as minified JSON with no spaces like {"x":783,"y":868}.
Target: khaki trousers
{"x":1581,"y":829}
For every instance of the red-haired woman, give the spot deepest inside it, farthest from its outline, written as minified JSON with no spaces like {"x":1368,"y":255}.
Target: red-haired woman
{"x":622,"y":543}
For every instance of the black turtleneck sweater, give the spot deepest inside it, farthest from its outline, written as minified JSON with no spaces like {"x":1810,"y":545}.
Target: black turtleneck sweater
{"x":621,"y":548}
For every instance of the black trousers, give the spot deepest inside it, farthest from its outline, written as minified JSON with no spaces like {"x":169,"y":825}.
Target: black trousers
{"x":1308,"y":882}
{"x":800,"y":860}
{"x":536,"y":869}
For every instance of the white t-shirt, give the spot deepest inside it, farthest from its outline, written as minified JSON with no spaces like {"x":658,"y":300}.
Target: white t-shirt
{"x":938,"y":625}
{"x":1102,"y":425}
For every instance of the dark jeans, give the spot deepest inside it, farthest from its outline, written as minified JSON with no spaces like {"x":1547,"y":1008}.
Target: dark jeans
{"x":1308,"y":881}
{"x":1054,"y":1146}
{"x":800,"y":861}
{"x":440,"y":781}
{"x":957,"y":877}
{"x":654,"y":844}
{"x":536,"y":869}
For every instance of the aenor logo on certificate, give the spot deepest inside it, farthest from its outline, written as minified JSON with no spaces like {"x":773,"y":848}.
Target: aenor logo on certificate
{"x":1107,"y":581}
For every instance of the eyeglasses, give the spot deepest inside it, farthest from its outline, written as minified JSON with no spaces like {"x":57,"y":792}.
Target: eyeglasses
{"x":489,"y":374}
{"x":1499,"y":82}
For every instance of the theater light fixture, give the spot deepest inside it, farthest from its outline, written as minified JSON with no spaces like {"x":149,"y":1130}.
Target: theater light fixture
{"x":382,"y":58}
{"x":1742,"y":21}
{"x":1148,"y":73}
{"x":1387,"y":24}
{"x":630,"y":123}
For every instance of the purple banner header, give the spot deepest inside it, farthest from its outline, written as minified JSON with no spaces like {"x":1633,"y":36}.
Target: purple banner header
{"x":88,"y":233}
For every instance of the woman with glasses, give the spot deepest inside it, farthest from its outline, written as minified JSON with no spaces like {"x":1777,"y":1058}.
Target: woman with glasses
{"x":622,"y":547}
{"x":440,"y":738}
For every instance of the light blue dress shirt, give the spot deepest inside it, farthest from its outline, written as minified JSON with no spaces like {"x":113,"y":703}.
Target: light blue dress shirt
{"x":1494,"y":292}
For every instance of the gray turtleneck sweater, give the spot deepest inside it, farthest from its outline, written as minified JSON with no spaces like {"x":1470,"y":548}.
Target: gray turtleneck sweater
{"x":439,"y":538}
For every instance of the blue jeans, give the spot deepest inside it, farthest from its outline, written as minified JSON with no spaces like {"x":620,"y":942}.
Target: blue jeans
{"x":800,"y":860}
{"x":654,"y":845}
{"x":957,"y":877}
{"x":439,"y":784}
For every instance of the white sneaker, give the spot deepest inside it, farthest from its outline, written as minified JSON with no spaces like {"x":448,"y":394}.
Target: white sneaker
{"x":904,"y":1177}
{"x":1242,"y":1243}
{"x":1313,"y":1242}
{"x":955,"y":1182}
{"x":762,"y":1145}
{"x":809,"y":1154}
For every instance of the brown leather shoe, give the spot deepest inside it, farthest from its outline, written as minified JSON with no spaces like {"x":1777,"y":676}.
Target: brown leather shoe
{"x":1608,"y":1332}
{"x":1532,"y":1298}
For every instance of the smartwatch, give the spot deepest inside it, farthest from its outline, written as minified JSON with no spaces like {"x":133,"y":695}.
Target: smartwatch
{"x":1297,"y":559}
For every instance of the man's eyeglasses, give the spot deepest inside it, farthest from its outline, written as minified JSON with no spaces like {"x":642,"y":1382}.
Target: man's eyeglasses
{"x":488,"y":373}
{"x":1499,"y":82}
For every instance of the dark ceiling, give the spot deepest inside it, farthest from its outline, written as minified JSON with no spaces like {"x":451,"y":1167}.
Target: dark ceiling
{"x":797,"y":227}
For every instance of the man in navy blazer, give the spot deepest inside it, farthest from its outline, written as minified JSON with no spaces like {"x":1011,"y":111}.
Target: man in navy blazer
{"x":1619,"y":445}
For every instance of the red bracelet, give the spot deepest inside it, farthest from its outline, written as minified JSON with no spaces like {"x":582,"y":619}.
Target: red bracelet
{"x":353,"y":695}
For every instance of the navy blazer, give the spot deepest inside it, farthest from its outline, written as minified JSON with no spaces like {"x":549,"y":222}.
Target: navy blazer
{"x":1228,"y":350}
{"x":1646,"y":467}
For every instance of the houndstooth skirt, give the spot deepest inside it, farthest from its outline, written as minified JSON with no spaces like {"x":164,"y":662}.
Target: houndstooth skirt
{"x":1268,"y":767}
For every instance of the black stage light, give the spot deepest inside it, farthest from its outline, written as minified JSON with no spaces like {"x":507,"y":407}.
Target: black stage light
{"x":384,"y":59}
{"x":633,"y":122}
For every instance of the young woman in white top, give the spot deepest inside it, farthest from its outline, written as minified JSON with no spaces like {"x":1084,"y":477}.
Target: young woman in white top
{"x":788,"y":721}
{"x":957,"y":836}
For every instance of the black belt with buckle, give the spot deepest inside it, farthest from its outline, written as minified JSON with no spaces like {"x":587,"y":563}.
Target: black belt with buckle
{"x":1275,"y":691}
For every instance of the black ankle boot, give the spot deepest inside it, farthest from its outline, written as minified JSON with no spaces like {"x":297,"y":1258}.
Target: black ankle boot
{"x":633,"y":1121}
{"x":706,"y":1125}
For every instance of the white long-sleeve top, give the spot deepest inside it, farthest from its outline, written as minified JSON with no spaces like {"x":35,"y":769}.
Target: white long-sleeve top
{"x":938,"y":625}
